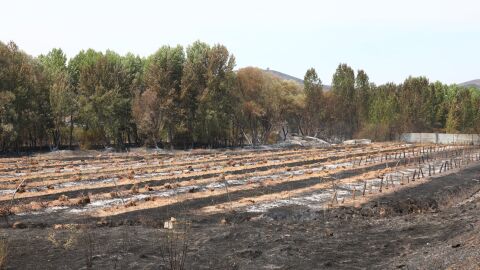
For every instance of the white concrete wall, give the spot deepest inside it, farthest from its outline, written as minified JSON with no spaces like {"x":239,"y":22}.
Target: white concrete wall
{"x":441,"y":138}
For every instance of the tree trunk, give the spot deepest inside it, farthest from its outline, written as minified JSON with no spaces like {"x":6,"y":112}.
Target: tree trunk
{"x":71,"y":132}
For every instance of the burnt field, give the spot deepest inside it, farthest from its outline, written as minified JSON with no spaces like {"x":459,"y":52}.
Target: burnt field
{"x":382,"y":205}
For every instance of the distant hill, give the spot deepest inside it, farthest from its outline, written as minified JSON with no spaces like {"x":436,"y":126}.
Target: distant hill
{"x":284,"y":76}
{"x":281,"y":75}
{"x":472,"y":83}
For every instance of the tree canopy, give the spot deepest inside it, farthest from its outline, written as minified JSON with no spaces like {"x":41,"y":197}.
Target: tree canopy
{"x":194,"y":97}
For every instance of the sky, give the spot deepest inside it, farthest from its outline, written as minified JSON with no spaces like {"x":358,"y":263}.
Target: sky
{"x":389,"y":39}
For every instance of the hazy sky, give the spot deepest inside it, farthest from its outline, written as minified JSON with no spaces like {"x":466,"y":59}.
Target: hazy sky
{"x":390,"y":40}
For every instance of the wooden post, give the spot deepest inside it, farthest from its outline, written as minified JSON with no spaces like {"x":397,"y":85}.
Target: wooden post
{"x":381,"y":184}
{"x":334,"y":198}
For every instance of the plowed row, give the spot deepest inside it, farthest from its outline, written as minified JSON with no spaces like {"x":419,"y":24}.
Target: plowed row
{"x":210,"y":182}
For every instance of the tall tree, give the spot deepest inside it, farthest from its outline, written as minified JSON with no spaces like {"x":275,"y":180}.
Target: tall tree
{"x":60,"y":91}
{"x":134,"y":70}
{"x":343,"y":89}
{"x":313,"y":102}
{"x":24,"y":99}
{"x":104,"y":97}
{"x":292,"y":107}
{"x":438,"y":108}
{"x":383,"y":114}
{"x":215,"y":102}
{"x":461,"y":114}
{"x":148,"y":116}
{"x":198,"y":98}
{"x":413,"y":98}
{"x":362,"y":96}
{"x":194,"y":82}
{"x":163,"y":75}
{"x":255,"y":94}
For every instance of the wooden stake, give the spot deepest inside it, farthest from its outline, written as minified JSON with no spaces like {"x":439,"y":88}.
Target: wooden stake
{"x":381,"y":184}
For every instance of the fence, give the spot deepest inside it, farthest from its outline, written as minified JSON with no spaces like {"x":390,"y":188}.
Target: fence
{"x":441,"y":138}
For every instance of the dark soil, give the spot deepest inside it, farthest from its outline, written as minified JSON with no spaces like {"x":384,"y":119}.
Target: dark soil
{"x":434,"y":225}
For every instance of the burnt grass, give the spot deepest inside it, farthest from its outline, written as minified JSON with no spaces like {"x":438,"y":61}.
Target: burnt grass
{"x":433,"y":225}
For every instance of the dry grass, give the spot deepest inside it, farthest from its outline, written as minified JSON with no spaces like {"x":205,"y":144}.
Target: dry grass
{"x":174,"y":245}
{"x":76,"y":238}
{"x":88,"y":245}
{"x":3,"y":253}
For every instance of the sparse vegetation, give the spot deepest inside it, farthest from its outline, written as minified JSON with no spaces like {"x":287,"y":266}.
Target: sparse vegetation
{"x":173,"y":245}
{"x":3,"y":253}
{"x":87,"y":244}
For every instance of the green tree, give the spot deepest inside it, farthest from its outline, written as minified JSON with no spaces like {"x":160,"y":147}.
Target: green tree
{"x":194,"y":82}
{"x":60,"y":91}
{"x":343,"y":89}
{"x":163,"y":75}
{"x":24,"y":100}
{"x":414,"y":99}
{"x":438,"y":108}
{"x":362,"y":97}
{"x":292,"y":107}
{"x":134,"y":72}
{"x":216,"y":102}
{"x":383,"y":119}
{"x":461,"y":114}
{"x":104,"y":97}
{"x":313,"y":103}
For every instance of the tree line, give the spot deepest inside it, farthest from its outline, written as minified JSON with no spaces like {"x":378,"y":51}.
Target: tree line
{"x":194,"y":97}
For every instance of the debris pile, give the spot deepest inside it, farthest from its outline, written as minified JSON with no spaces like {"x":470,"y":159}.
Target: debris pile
{"x":358,"y":141}
{"x":302,"y":141}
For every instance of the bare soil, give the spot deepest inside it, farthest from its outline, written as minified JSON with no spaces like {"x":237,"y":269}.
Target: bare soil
{"x":431,"y":223}
{"x":434,"y":225}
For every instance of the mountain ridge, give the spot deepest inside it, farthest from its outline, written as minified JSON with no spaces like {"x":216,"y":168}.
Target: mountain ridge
{"x":472,"y":83}
{"x":285,"y":76}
